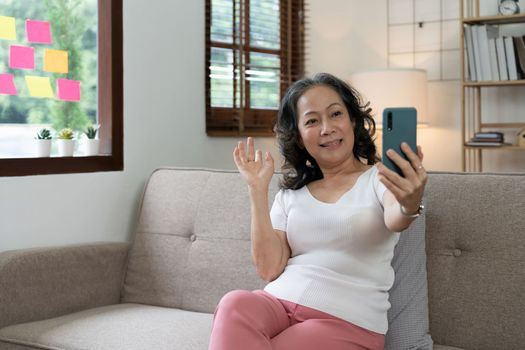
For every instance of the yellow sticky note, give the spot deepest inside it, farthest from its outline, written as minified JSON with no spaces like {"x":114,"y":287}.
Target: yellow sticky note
{"x":7,"y":28}
{"x":55,"y":61}
{"x":39,"y":86}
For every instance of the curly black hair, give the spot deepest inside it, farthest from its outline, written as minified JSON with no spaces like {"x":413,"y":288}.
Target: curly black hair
{"x":300,"y":168}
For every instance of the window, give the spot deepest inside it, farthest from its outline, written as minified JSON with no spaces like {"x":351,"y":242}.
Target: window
{"x":89,"y":34}
{"x":254,"y":51}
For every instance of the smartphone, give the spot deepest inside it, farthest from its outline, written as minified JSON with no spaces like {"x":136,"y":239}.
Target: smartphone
{"x":399,"y":125}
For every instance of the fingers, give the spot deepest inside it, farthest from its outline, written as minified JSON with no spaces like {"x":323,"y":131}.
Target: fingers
{"x":242,"y":152}
{"x":269,"y":160}
{"x":406,"y":167}
{"x":393,"y":178}
{"x":396,"y":191}
{"x":251,"y":153}
{"x":414,"y":174}
{"x":412,"y":157}
{"x":236,"y":156}
{"x":241,"y":156}
{"x":413,"y":168}
{"x":420,"y":153}
{"x":407,"y":190}
{"x":258,"y":155}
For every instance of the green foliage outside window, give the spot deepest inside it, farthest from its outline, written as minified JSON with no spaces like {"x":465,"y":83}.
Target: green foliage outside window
{"x":74,"y":29}
{"x":68,"y":28}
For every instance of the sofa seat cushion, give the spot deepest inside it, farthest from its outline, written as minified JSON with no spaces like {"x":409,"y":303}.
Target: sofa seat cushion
{"x":445,"y":347}
{"x":122,"y":326}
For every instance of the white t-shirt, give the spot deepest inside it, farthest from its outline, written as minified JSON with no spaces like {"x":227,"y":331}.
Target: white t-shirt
{"x":341,"y":252}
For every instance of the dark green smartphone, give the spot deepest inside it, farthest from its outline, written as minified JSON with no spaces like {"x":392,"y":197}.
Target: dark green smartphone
{"x":399,"y":125}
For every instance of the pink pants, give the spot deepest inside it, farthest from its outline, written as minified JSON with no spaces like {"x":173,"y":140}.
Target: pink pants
{"x":257,"y":320}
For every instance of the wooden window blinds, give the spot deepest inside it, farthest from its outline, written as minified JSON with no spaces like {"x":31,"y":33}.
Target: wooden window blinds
{"x":254,"y":51}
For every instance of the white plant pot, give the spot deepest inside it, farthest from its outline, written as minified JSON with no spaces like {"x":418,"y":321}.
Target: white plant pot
{"x":66,"y":148}
{"x":91,"y":147}
{"x":43,"y":148}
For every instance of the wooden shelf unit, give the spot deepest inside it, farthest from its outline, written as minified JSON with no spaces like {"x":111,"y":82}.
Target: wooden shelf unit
{"x":499,"y":19}
{"x":506,"y":148}
{"x":471,"y":93}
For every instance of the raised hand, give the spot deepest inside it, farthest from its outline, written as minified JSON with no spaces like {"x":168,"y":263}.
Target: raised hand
{"x":256,"y":171}
{"x":407,"y":190}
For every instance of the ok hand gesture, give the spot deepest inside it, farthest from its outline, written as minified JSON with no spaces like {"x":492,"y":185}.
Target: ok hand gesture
{"x":256,"y":172}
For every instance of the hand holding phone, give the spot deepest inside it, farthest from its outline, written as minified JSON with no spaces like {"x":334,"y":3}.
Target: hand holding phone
{"x":399,"y":125}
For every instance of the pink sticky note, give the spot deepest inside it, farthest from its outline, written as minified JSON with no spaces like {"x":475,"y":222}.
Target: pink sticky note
{"x":38,"y":32}
{"x":68,"y":90}
{"x":7,"y":84}
{"x":22,"y":57}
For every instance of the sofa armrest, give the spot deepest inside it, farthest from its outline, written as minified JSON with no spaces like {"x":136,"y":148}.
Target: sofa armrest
{"x":41,"y":283}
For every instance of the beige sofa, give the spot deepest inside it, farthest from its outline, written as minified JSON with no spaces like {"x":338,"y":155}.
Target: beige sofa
{"x":192,"y":246}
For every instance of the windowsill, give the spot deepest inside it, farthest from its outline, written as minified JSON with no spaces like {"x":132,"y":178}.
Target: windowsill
{"x":236,"y":133}
{"x":60,"y":165}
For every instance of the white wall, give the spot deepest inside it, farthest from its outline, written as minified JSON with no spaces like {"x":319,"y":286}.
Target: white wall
{"x":164,"y":119}
{"x":346,"y":35}
{"x":354,"y":37}
{"x":163,"y":125}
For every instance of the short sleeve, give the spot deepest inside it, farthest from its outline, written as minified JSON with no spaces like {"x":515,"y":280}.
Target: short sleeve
{"x":379,"y":187}
{"x":278,"y":213}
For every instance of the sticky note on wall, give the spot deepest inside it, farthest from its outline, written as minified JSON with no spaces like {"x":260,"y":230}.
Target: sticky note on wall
{"x":21,"y":57}
{"x":38,"y":32}
{"x":68,"y":90}
{"x":39,"y":86}
{"x":55,"y":61}
{"x":7,"y":84}
{"x":7,"y":28}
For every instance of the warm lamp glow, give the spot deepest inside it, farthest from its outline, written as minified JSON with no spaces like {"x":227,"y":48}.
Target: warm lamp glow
{"x":393,"y":87}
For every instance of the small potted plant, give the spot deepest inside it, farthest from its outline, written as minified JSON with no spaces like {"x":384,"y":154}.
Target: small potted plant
{"x":91,"y":143}
{"x":43,"y":143}
{"x":66,"y":142}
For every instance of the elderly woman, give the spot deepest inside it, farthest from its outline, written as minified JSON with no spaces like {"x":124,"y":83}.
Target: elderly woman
{"x":327,"y":243}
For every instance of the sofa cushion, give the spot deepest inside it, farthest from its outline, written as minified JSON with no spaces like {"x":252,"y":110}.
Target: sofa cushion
{"x":445,"y":347}
{"x":192,"y":243}
{"x":476,"y":261}
{"x":123,"y":326}
{"x":408,"y":316}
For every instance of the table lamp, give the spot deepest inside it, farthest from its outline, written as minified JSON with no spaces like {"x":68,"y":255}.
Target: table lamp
{"x":393,"y":87}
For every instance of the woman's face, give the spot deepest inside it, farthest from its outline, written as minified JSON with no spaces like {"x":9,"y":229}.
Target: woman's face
{"x":325,"y":127}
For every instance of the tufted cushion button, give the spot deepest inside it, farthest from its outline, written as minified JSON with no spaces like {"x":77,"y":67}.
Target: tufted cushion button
{"x":456,"y":252}
{"x":193,"y":238}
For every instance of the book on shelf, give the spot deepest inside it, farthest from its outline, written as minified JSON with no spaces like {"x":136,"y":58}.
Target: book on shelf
{"x":481,"y":139}
{"x":485,"y":33}
{"x":491,"y":56}
{"x":519,"y":45}
{"x":502,"y":60}
{"x":475,"y":53}
{"x":489,"y":135}
{"x":487,"y":138}
{"x":493,"y":60}
{"x":471,"y":64}
{"x":486,"y":144}
{"x":511,"y":58}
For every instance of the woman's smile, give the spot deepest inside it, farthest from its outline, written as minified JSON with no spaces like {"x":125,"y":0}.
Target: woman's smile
{"x":332,"y":145}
